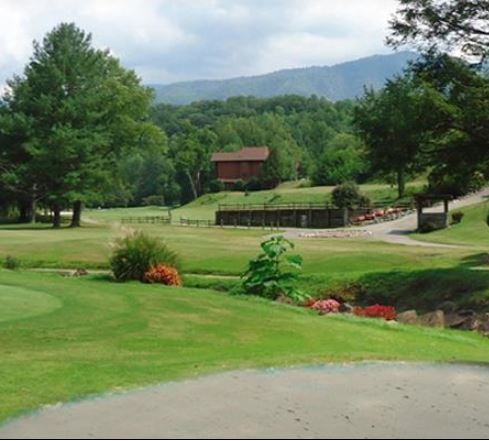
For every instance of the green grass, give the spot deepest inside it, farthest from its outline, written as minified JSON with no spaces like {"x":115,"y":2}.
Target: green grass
{"x":216,"y":250}
{"x":65,"y":338}
{"x":473,"y":229}
{"x":205,"y":206}
{"x":19,"y":303}
{"x":108,"y":336}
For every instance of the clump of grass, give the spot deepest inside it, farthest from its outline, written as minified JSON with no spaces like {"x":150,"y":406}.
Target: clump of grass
{"x":11,"y":263}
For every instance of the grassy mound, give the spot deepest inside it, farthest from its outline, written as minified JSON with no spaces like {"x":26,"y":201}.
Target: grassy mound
{"x":19,"y":302}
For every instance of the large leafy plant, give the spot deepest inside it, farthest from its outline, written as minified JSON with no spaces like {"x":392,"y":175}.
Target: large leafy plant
{"x":266,"y":276}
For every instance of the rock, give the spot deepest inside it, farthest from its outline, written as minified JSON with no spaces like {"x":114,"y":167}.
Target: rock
{"x":346,"y":308}
{"x":483,"y":327}
{"x":447,"y":306}
{"x":409,"y":317}
{"x":454,"y":320}
{"x":471,"y":323}
{"x":80,"y":272}
{"x":435,"y":319}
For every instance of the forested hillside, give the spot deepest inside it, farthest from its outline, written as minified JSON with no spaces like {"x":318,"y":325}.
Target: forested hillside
{"x":338,"y":82}
{"x":301,"y":132}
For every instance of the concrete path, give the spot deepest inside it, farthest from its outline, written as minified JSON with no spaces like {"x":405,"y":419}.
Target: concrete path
{"x":365,"y":400}
{"x":397,"y":231}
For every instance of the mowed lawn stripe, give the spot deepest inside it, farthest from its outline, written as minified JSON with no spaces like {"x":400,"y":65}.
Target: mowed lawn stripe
{"x":108,"y":336}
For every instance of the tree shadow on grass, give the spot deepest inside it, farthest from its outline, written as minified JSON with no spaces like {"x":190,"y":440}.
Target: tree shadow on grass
{"x":425,"y":290}
{"x":475,"y":260}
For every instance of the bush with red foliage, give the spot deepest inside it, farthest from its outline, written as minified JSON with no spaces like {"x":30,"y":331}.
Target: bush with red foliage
{"x":165,"y":274}
{"x":376,"y":311}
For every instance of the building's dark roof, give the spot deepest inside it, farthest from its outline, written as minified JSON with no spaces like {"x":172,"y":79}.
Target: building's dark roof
{"x":245,"y":154}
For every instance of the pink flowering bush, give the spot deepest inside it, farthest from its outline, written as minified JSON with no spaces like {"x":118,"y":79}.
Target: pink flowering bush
{"x":326,"y":306}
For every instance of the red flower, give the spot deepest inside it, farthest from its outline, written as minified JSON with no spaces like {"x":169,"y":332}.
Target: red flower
{"x":376,"y":311}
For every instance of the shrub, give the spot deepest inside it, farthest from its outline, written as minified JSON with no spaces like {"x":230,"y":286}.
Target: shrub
{"x":457,"y":217}
{"x":215,"y":186}
{"x":164,"y":274}
{"x":154,"y":199}
{"x":376,"y":311}
{"x":265,"y":277}
{"x":364,"y":201}
{"x":253,"y":184}
{"x":428,"y":227}
{"x":11,"y":263}
{"x":326,"y":306}
{"x":135,"y":253}
{"x":239,"y":185}
{"x":348,"y":195}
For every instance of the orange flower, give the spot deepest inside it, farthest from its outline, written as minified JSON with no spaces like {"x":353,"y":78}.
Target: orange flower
{"x":165,"y":274}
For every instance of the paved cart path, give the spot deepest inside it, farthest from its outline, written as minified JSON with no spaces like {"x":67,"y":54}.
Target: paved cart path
{"x":365,"y":400}
{"x":396,"y":231}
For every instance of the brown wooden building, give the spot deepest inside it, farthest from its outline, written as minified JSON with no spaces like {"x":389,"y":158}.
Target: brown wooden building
{"x":241,"y":165}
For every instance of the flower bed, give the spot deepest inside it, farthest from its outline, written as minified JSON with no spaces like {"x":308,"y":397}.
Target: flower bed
{"x":376,"y":311}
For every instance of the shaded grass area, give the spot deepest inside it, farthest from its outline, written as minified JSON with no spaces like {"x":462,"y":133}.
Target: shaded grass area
{"x":109,"y":336}
{"x":426,"y":290}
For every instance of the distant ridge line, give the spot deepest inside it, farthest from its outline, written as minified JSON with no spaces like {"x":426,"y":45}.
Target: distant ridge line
{"x":337,"y":82}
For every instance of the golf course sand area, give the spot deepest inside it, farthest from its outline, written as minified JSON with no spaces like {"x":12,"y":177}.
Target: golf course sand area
{"x":360,"y":400}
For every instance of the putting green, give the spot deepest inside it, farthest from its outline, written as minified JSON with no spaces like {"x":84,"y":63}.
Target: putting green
{"x":17,"y":303}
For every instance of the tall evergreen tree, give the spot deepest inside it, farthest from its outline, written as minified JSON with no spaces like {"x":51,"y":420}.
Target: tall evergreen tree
{"x":80,"y":110}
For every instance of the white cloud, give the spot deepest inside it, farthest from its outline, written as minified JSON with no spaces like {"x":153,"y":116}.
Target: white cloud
{"x":172,"y":40}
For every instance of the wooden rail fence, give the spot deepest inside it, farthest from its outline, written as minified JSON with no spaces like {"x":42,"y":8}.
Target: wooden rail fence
{"x":196,"y":222}
{"x":146,"y":220}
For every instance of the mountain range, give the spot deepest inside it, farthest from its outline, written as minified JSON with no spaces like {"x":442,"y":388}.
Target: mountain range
{"x":337,"y":82}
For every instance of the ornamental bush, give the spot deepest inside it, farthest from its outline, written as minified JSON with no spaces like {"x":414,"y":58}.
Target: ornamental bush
{"x":348,"y":195}
{"x":239,"y":185}
{"x":326,"y":306}
{"x":135,"y":253}
{"x":165,"y":274}
{"x":457,"y":217}
{"x":216,"y":185}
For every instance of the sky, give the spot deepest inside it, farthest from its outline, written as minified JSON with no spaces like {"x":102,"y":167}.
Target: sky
{"x":166,"y":41}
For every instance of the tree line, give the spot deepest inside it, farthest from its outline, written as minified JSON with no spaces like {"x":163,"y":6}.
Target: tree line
{"x":76,"y":128}
{"x":436,"y":116}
